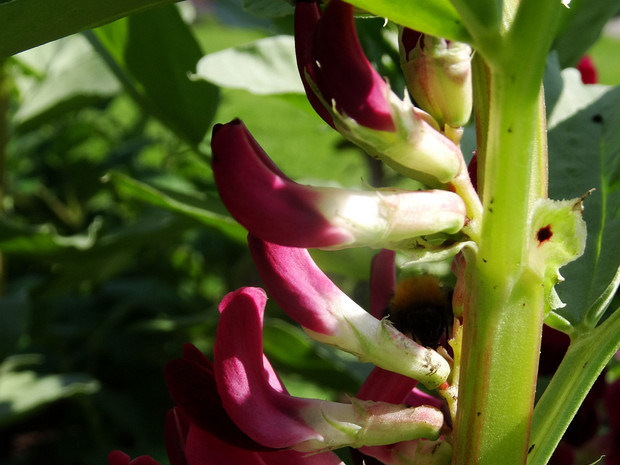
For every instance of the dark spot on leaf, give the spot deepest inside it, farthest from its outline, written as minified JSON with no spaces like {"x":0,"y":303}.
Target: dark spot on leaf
{"x":544,"y":234}
{"x":484,"y":260}
{"x":530,"y":449}
{"x":478,"y":414}
{"x":597,"y":118}
{"x":509,"y":130}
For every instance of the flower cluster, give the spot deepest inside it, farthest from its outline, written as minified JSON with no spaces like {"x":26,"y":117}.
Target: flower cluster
{"x":235,"y":409}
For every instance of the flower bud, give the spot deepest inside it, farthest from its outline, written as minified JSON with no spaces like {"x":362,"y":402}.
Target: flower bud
{"x":349,"y":94}
{"x":438,"y":75}
{"x":259,"y":404}
{"x":276,"y":209}
{"x":329,"y":316}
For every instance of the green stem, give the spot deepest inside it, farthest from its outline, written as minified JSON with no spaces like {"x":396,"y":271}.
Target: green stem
{"x":503,"y":315}
{"x":586,"y":357}
{"x":502,"y":320}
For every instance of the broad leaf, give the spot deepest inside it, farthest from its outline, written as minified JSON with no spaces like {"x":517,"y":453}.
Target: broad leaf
{"x":69,"y":76}
{"x":582,"y":26}
{"x":154,"y":54}
{"x":435,"y":17}
{"x":584,"y":149}
{"x":38,"y":240}
{"x":268,"y":8}
{"x":27,"y":23}
{"x":23,"y":392}
{"x":267,"y":66}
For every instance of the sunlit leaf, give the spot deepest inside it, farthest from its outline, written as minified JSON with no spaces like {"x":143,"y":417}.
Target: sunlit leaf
{"x":71,"y":76}
{"x":268,"y":8}
{"x":435,"y":17}
{"x":153,"y":54}
{"x":584,"y":148}
{"x":23,"y":392}
{"x":267,"y":66}
{"x":26,"y":239}
{"x":25,"y":23}
{"x":582,"y":26}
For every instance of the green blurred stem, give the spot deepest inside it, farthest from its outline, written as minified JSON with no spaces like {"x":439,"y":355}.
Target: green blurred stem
{"x":586,"y":357}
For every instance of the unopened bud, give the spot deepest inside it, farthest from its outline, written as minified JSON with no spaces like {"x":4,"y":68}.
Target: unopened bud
{"x":438,"y":75}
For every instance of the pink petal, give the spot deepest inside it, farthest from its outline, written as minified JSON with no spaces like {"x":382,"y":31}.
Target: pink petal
{"x":386,"y":386}
{"x":298,"y":286}
{"x":587,"y":68}
{"x":308,"y":296}
{"x":307,"y":15}
{"x":205,"y":449}
{"x":176,"y":430}
{"x":264,"y":413}
{"x":344,"y":74}
{"x":119,"y":458}
{"x":262,"y":198}
{"x":192,"y":386}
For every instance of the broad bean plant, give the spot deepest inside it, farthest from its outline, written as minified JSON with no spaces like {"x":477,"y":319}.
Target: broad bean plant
{"x":504,"y":171}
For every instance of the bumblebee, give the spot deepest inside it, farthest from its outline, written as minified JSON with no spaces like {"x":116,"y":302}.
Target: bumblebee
{"x":421,"y":308}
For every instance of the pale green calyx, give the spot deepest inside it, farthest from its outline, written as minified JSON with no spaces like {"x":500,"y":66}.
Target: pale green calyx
{"x":392,"y":218}
{"x":378,"y":342}
{"x":416,"y":148}
{"x":367,"y":423}
{"x":558,"y":236}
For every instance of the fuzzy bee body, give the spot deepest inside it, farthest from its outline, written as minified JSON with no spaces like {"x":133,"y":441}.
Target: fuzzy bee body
{"x":422,"y":309}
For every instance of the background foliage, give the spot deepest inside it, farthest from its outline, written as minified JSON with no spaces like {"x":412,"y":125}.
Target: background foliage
{"x":115,"y":248}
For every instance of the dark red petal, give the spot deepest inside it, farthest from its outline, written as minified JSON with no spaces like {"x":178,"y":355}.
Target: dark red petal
{"x":193,"y":389}
{"x":344,"y":74}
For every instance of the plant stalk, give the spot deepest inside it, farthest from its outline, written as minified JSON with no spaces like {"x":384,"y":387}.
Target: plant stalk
{"x":503,"y":315}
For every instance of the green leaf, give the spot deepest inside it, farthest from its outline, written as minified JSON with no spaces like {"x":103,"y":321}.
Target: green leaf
{"x":23,"y":392}
{"x":435,"y":17}
{"x":72,"y":77}
{"x":584,"y":153}
{"x":198,"y":207}
{"x":27,"y":23}
{"x":154,"y":53}
{"x":266,"y":66}
{"x":559,"y":233}
{"x":268,"y":8}
{"x":585,"y":359}
{"x":26,"y":239}
{"x":581,"y":27}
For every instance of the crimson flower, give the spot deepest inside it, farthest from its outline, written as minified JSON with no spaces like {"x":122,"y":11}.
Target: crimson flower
{"x":349,"y":94}
{"x":587,"y":68}
{"x":276,"y":209}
